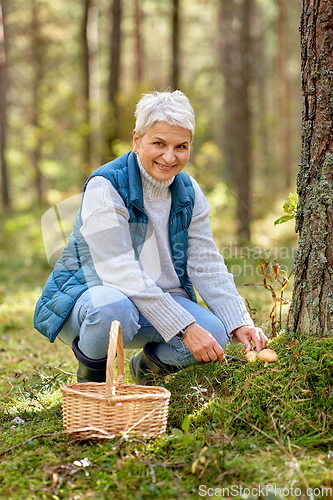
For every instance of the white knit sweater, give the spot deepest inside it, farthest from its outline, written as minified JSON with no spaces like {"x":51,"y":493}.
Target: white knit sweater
{"x":151,"y":281}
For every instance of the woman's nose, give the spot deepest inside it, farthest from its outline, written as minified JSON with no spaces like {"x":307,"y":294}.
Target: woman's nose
{"x":169,"y":156}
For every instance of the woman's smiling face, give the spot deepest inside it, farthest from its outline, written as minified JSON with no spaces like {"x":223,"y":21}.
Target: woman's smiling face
{"x":164,"y":150}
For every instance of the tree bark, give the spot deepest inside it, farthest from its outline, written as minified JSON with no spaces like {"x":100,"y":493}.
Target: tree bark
{"x":5,"y":199}
{"x":175,"y":45}
{"x":236,"y":67}
{"x":312,"y":305}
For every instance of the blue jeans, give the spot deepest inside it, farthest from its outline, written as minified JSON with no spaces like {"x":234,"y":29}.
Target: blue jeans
{"x":95,"y":310}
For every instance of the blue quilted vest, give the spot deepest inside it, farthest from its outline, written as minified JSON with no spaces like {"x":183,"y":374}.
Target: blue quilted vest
{"x":74,"y":272}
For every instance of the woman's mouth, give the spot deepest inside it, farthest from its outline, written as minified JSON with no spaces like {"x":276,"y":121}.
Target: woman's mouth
{"x":163,"y":167}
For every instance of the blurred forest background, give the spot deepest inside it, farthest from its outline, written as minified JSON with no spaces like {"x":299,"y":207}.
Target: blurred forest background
{"x":71,"y":72}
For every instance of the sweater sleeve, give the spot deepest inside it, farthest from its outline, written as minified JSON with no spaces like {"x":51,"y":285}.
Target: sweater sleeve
{"x":208,"y":272}
{"x":106,"y":230}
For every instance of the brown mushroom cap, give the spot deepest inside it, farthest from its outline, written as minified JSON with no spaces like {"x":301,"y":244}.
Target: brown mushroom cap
{"x":251,"y":355}
{"x":267,"y":355}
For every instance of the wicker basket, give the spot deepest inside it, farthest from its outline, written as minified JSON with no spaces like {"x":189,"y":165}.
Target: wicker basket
{"x":106,"y":410}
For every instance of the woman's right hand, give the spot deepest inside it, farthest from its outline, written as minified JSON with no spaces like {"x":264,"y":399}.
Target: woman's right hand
{"x":202,"y":344}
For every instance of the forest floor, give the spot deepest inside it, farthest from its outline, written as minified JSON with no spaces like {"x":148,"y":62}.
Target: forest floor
{"x":236,"y":431}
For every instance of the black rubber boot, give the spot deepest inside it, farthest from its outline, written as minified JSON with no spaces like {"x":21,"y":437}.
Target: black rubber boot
{"x":145,"y":366}
{"x":90,"y":370}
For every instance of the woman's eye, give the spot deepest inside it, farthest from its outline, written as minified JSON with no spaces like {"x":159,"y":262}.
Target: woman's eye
{"x":181,"y":146}
{"x":158,"y":143}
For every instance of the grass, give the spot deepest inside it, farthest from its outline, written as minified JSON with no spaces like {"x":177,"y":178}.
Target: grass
{"x":232,"y":427}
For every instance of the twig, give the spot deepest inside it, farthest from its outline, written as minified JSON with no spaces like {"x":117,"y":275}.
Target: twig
{"x":63,"y":371}
{"x":30,"y":439}
{"x":11,"y":388}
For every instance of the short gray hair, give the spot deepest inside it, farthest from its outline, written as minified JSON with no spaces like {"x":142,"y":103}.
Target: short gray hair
{"x":171,"y":107}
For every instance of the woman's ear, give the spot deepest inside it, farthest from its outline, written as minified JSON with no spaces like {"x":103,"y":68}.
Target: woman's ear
{"x":136,"y":141}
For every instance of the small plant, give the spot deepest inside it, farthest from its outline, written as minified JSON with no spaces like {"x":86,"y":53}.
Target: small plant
{"x":290,"y":208}
{"x":275,"y":280}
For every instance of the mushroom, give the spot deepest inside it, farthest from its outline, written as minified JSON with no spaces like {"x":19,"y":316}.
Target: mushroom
{"x":267,"y":355}
{"x":251,"y":355}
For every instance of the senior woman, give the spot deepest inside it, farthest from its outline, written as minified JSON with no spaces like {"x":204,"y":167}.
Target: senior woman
{"x":140,"y":245}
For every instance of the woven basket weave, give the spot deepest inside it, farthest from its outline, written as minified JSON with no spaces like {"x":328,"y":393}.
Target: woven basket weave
{"x":110,"y":409}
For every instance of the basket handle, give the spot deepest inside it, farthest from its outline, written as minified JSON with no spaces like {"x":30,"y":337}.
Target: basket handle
{"x":115,"y":348}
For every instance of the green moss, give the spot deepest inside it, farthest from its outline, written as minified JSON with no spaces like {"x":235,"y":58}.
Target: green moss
{"x":291,"y":398}
{"x":242,"y":417}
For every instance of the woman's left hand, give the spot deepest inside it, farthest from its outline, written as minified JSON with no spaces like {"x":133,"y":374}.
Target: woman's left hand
{"x":246,"y":334}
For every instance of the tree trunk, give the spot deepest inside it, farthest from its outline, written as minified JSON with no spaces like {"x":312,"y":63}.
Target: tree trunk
{"x":86,"y":92}
{"x":5,"y":200}
{"x":91,"y":93}
{"x":115,"y":51}
{"x":175,"y":45}
{"x":236,"y":67}
{"x":284,"y":94}
{"x":312,"y":305}
{"x":138,"y":44}
{"x":261,"y":72}
{"x":37,"y":50}
{"x":114,"y":75}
